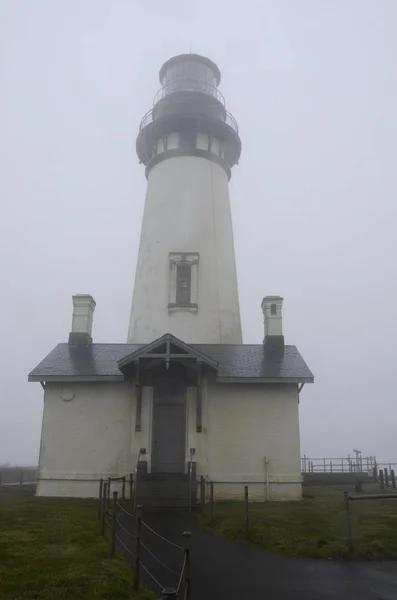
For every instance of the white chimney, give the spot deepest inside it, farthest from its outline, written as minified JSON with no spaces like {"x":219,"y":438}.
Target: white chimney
{"x":83,"y":313}
{"x":272,"y":307}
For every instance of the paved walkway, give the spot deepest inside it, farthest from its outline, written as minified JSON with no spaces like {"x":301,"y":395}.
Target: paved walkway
{"x":224,"y":570}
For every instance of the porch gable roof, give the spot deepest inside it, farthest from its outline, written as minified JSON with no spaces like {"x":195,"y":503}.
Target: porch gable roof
{"x":165,"y":346}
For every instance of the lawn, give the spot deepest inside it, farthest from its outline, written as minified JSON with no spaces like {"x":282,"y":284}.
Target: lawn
{"x":51,"y":549}
{"x":314,"y":527}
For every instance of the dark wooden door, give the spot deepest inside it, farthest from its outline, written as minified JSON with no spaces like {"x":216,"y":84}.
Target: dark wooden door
{"x":169,"y":426}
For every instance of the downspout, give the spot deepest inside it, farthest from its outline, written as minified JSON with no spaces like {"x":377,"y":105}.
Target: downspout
{"x":267,"y":479}
{"x":300,"y":389}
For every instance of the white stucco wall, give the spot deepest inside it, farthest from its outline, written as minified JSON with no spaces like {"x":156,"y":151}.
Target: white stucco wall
{"x":89,"y":437}
{"x":93,"y":435}
{"x":187,"y":209}
{"x":245,"y":423}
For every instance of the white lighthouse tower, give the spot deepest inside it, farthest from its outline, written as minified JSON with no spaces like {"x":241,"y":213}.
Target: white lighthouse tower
{"x":185,"y":281}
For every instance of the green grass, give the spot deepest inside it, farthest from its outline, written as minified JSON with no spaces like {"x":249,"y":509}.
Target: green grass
{"x":51,"y":549}
{"x":314,"y":527}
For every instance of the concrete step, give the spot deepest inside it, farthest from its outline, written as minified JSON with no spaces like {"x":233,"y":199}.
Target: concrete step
{"x":166,"y":492}
{"x":166,"y":477}
{"x":156,"y":504}
{"x":165,"y":502}
{"x":165,"y":485}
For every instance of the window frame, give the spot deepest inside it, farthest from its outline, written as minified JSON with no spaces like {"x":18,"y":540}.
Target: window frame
{"x":176,"y":261}
{"x":181,"y":294}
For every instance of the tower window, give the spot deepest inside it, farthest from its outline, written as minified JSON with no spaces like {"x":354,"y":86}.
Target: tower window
{"x":183,"y":281}
{"x":273,"y":309}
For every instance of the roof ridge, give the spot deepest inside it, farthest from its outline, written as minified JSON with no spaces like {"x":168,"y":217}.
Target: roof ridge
{"x":238,"y":345}
{"x":217,"y":345}
{"x":106,"y":344}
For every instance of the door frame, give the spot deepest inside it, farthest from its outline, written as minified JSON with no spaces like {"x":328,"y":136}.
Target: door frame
{"x":183,"y":386}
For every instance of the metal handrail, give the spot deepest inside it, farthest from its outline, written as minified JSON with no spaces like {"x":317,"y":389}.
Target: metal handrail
{"x":189,"y":85}
{"x":231,"y":121}
{"x":149,"y":118}
{"x":146,"y":119}
{"x":142,"y":451}
{"x":340,"y":464}
{"x":192,"y":452}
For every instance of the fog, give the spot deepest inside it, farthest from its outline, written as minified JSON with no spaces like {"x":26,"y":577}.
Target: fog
{"x":312,"y":85}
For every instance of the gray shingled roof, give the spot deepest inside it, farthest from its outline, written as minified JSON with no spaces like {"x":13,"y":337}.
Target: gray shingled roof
{"x":242,"y":363}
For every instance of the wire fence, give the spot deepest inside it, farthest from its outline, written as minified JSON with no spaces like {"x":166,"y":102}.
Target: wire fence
{"x":127,"y":529}
{"x":17,"y":476}
{"x":348,"y":499}
{"x":253,"y":520}
{"x":356,"y":464}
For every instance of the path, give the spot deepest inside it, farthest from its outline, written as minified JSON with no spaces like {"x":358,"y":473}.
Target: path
{"x":234,"y":571}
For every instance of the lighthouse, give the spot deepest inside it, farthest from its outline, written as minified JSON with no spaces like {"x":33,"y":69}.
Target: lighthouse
{"x":184,"y":400}
{"x":185,"y":280}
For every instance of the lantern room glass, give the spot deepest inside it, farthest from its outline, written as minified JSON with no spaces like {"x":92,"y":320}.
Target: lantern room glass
{"x":189,"y":75}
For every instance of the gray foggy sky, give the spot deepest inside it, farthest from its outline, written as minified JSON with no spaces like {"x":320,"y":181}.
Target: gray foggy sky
{"x":313,"y":86}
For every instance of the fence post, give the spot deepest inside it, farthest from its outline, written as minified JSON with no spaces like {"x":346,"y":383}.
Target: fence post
{"x":202,"y":492}
{"x":114,"y":521}
{"x":186,"y":576}
{"x":21,"y":477}
{"x":386,"y":477}
{"x":212,"y":503}
{"x":135,"y":490}
{"x":246,"y":511}
{"x":349,"y":541}
{"x":104,"y":506}
{"x":100,"y":499}
{"x":109,"y":486}
{"x":381,"y":480}
{"x":393,"y":478}
{"x":358,"y":486}
{"x":123,"y":488}
{"x":131,"y":480}
{"x":137,"y":574}
{"x":375,"y":469}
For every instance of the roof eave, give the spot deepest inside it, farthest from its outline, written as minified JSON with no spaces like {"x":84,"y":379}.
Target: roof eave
{"x":74,"y":378}
{"x":264,"y":380}
{"x":119,"y":378}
